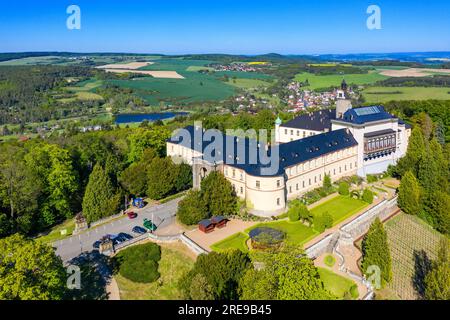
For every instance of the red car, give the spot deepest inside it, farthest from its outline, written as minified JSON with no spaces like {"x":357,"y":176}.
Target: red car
{"x":132,"y":215}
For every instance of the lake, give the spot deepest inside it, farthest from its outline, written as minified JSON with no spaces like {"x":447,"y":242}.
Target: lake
{"x":139,"y":117}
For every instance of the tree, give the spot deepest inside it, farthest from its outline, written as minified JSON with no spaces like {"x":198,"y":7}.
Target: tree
{"x":144,"y":138}
{"x":222,"y":272}
{"x":287,"y":274}
{"x":52,"y":166}
{"x":376,"y":252}
{"x":323,"y":222}
{"x":327,"y":186}
{"x":134,"y":179}
{"x":161,"y":177}
{"x":100,"y":199}
{"x":367,"y":196}
{"x":218,"y":194}
{"x":30,"y":270}
{"x":299,"y":211}
{"x":409,"y":194}
{"x":415,"y":151}
{"x":294,"y":212}
{"x":200,"y":288}
{"x":258,"y":285}
{"x":344,"y":188}
{"x":437,"y":281}
{"x":192,"y":208}
{"x":436,"y":209}
{"x":183,"y":178}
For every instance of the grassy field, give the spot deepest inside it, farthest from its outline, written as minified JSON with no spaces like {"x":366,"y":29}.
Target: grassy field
{"x":317,"y":82}
{"x":337,"y":284}
{"x":84,"y":91}
{"x":236,"y":241}
{"x":55,"y":233}
{"x":176,"y":259}
{"x":248,"y":83}
{"x":340,"y":208}
{"x":411,"y":242}
{"x":385,"y":94}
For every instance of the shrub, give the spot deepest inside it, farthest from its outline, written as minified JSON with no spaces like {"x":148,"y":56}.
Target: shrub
{"x":329,"y":261}
{"x":344,"y":189}
{"x":323,"y":222}
{"x":354,"y":293}
{"x":139,"y":263}
{"x":294,"y":214}
{"x":372,"y":178}
{"x":367,"y":196}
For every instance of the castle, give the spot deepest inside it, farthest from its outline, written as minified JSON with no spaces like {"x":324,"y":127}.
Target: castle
{"x":341,"y":142}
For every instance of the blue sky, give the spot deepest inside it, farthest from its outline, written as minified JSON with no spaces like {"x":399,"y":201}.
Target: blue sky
{"x":225,"y":26}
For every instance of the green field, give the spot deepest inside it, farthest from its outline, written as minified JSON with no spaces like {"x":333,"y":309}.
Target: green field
{"x":176,"y":259}
{"x":340,"y":208}
{"x":410,"y":241}
{"x":236,"y":241}
{"x":337,"y":284}
{"x":83,"y":90}
{"x":248,"y":83}
{"x":385,"y":94}
{"x":327,"y":81}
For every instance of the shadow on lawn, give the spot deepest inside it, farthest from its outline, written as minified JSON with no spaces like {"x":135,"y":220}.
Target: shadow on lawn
{"x":422,"y":265}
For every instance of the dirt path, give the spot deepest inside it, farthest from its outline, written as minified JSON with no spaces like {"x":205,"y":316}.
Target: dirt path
{"x":113,"y":290}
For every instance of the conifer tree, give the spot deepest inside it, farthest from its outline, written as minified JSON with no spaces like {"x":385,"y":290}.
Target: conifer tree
{"x":409,"y":194}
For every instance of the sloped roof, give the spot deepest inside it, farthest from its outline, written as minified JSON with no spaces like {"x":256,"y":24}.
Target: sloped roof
{"x":242,"y":154}
{"x":315,"y":121}
{"x":366,"y":114}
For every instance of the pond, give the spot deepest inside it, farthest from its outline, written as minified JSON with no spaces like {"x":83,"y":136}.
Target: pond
{"x":139,"y":117}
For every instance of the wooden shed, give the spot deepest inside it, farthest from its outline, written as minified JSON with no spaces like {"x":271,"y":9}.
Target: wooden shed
{"x":219,"y":221}
{"x":206,"y":226}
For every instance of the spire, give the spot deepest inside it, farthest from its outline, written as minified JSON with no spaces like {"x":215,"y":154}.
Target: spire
{"x":343,"y":85}
{"x":278,"y":121}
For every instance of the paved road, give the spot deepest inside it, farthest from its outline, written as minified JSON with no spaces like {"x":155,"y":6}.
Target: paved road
{"x":163,"y":216}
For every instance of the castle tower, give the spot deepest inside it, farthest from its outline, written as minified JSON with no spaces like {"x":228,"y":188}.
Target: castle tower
{"x":277,"y":129}
{"x":343,"y":103}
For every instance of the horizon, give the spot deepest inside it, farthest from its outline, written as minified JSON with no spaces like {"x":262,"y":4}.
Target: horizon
{"x":255,"y":28}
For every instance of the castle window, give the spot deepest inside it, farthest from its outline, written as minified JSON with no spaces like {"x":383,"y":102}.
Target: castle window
{"x":304,"y":134}
{"x":242,"y":190}
{"x":278,"y":183}
{"x":315,"y":179}
{"x":234,"y":173}
{"x":258,"y":184}
{"x":303,"y":184}
{"x":309,"y":181}
{"x":285,"y":131}
{"x":296,"y":186}
{"x":278,"y":201}
{"x":290,"y":189}
{"x":345,"y":168}
{"x":298,"y":133}
{"x":340,"y":169}
{"x":242,"y":176}
{"x":292,"y":132}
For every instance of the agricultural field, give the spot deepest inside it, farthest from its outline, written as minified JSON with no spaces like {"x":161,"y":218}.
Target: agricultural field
{"x":248,"y":83}
{"x":317,"y":81}
{"x":176,"y":259}
{"x":83,"y":91}
{"x":412,"y":243}
{"x":340,"y":208}
{"x":385,"y":94}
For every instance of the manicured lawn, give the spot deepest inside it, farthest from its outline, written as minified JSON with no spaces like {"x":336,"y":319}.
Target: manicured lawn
{"x":385,"y":94}
{"x":340,"y":208}
{"x":176,"y":259}
{"x":296,"y":232}
{"x":236,"y":241}
{"x":337,"y":284}
{"x":317,"y":82}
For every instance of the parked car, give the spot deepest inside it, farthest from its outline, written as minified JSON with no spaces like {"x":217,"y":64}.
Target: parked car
{"x":139,"y":230}
{"x":124,"y":236}
{"x":132,"y":214}
{"x":149,"y":225}
{"x":96,"y":244}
